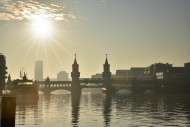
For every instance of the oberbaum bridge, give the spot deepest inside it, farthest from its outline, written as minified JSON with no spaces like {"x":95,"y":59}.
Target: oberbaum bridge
{"x":110,"y":85}
{"x":75,"y":86}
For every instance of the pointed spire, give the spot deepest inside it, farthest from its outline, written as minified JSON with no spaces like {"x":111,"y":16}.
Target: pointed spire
{"x":106,"y":62}
{"x":106,"y":73}
{"x":75,"y":74}
{"x":75,"y":62}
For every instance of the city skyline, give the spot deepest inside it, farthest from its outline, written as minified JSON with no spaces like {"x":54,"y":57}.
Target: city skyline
{"x":132,"y":33}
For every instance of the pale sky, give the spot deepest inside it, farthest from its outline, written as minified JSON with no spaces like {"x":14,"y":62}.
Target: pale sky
{"x":134,"y":33}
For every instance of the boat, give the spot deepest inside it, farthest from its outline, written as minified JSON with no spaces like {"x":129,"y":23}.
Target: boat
{"x":24,"y":88}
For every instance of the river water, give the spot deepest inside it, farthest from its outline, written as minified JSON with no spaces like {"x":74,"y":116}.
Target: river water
{"x":60,"y":109}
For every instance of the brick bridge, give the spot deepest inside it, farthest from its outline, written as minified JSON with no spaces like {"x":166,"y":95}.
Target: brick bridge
{"x":110,"y":85}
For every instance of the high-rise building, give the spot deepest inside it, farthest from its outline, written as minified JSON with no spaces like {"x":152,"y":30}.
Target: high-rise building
{"x":38,"y":71}
{"x":3,"y":72}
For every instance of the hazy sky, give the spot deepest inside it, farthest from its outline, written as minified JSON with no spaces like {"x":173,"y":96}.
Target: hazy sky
{"x":134,"y":33}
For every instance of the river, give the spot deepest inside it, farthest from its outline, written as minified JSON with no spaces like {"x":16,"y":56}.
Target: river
{"x":93,"y":109}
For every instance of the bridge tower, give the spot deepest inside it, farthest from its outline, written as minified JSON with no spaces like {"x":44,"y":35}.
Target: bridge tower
{"x":106,"y":75}
{"x":47,"y":86}
{"x":3,"y":72}
{"x":75,"y":74}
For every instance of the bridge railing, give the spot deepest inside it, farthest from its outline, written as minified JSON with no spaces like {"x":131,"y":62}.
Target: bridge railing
{"x":91,"y":80}
{"x":99,"y":81}
{"x":53,"y":84}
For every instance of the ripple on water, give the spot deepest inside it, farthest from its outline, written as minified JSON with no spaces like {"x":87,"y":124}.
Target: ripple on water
{"x":97,"y":110}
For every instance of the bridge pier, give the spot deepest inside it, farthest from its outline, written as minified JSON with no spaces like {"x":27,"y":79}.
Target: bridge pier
{"x":46,"y":89}
{"x":46,"y":92}
{"x":75,"y":88}
{"x":110,"y":90}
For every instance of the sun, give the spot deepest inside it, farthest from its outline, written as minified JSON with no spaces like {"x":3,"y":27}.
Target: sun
{"x":42,"y":27}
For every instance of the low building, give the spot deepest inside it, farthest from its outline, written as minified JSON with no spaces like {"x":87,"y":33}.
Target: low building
{"x":177,"y":73}
{"x":151,"y":72}
{"x":174,"y":73}
{"x":187,"y":71}
{"x":122,"y":74}
{"x":136,"y":73}
{"x":63,"y":76}
{"x":98,"y":75}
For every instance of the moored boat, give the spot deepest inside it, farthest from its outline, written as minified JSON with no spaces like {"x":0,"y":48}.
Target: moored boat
{"x":24,"y":88}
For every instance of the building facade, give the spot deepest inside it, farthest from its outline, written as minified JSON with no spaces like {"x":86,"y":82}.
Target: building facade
{"x":187,"y":71}
{"x":62,"y":76}
{"x":136,"y":73}
{"x":151,"y":72}
{"x":122,"y":74}
{"x":38,"y":76}
{"x":168,"y":72}
{"x":3,"y":72}
{"x":98,"y":75}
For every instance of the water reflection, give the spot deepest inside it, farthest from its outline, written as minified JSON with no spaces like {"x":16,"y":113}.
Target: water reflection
{"x":75,"y":102}
{"x":102,"y":110}
{"x":26,"y":101}
{"x":26,"y":107}
{"x":107,"y":109}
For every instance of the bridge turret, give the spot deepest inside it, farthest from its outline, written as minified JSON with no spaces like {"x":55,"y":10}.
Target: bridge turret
{"x":47,"y":82}
{"x":75,"y":74}
{"x":106,"y":73}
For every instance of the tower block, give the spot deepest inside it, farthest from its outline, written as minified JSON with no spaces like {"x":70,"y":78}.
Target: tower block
{"x":3,"y":72}
{"x":75,"y":74}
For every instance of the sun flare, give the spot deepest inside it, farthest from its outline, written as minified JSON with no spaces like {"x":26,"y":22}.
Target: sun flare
{"x":42,"y":27}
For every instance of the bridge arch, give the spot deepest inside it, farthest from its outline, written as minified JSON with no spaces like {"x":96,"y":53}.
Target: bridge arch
{"x":53,"y":86}
{"x":52,"y":89}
